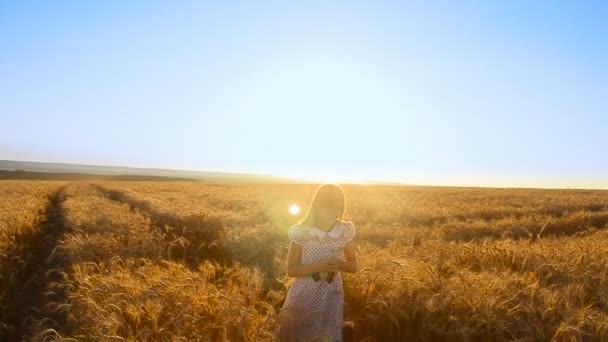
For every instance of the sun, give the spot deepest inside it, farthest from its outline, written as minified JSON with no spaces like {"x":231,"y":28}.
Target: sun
{"x":294,"y":209}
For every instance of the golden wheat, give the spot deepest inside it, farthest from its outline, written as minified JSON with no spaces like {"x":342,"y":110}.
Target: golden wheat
{"x":199,"y":261}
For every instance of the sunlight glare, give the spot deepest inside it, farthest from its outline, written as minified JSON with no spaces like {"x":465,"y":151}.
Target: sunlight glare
{"x":294,"y":209}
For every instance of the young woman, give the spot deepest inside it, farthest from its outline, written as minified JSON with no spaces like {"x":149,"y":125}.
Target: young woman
{"x":321,"y":246}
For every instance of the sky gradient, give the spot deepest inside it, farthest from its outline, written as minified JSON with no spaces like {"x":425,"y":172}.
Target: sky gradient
{"x":510,"y":93}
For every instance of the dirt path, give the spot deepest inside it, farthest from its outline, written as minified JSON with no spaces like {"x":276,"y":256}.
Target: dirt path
{"x":35,"y":269}
{"x":192,"y":238}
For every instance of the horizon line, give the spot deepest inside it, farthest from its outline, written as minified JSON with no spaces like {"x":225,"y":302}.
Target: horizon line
{"x":319,"y":180}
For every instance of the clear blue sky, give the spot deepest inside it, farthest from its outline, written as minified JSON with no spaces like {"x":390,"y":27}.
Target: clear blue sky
{"x":498,"y":93}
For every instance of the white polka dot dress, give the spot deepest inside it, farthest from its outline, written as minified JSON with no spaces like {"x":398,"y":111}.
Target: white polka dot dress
{"x":313,"y":309}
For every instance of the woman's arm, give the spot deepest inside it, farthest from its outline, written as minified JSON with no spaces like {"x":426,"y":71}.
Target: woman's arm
{"x":350,"y":264}
{"x":296,"y":269}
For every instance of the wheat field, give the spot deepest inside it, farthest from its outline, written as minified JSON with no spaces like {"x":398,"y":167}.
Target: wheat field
{"x":198,"y":261}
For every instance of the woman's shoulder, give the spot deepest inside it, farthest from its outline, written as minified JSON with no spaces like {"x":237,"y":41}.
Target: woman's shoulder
{"x":347,"y":224}
{"x":294,"y":232}
{"x":349,"y":229}
{"x":294,"y":228}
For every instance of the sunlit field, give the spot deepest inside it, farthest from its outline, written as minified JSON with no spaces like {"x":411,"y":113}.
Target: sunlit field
{"x":195,"y":261}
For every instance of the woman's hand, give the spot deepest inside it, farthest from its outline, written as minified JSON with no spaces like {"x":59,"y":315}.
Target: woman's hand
{"x":329,"y":265}
{"x":348,"y":265}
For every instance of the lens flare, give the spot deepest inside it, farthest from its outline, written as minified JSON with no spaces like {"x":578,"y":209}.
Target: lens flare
{"x":294,"y":209}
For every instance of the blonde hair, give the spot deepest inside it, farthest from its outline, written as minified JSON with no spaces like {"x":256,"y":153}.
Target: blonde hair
{"x":326,"y":195}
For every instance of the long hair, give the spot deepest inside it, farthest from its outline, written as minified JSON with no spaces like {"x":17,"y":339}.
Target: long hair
{"x":326,"y":195}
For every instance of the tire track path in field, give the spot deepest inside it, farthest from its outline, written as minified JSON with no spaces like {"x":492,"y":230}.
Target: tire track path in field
{"x":38,"y":288}
{"x":193,"y":238}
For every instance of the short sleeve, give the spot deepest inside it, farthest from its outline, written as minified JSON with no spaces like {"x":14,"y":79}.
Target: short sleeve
{"x":295,"y":235}
{"x":349,"y":232}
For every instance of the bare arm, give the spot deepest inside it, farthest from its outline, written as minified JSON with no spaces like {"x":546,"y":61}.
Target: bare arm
{"x":296,"y":269}
{"x":350,"y":264}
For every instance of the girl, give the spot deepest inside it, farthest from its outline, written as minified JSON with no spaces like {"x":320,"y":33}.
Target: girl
{"x":321,"y":245}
